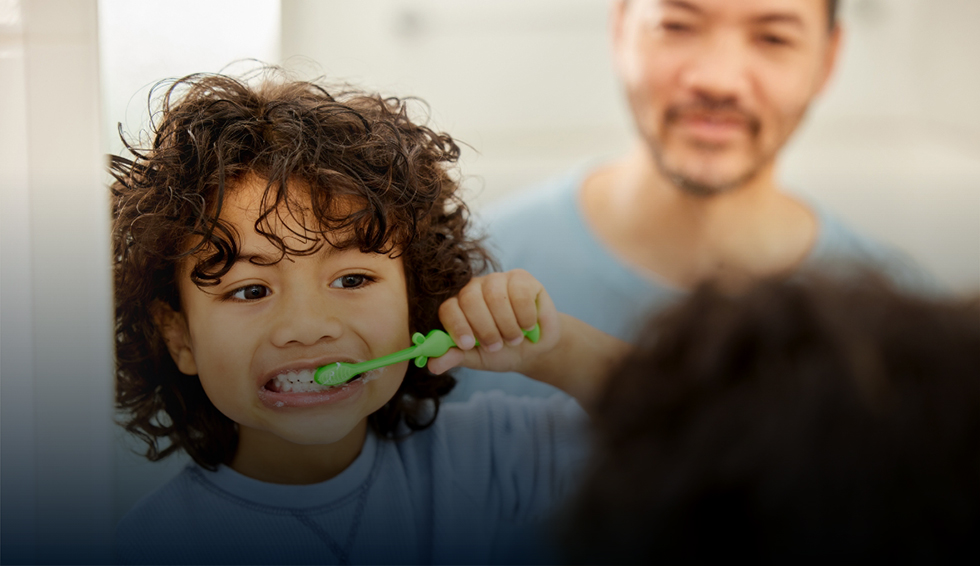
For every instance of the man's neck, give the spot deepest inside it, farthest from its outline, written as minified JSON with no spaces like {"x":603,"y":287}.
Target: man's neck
{"x":750,"y":231}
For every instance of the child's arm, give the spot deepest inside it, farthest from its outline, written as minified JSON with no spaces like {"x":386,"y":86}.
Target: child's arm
{"x":494,"y":309}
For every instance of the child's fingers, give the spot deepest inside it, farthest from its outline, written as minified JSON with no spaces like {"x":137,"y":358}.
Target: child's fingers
{"x":446,"y":362}
{"x":478,"y":315}
{"x":455,"y":323}
{"x":548,"y":318}
{"x":500,"y":303}
{"x":523,"y":289}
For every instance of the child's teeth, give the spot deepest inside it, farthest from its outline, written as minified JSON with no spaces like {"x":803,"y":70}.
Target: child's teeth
{"x":298,"y":382}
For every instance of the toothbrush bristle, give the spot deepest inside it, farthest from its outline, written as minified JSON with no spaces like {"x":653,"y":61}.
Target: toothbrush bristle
{"x":336,"y":374}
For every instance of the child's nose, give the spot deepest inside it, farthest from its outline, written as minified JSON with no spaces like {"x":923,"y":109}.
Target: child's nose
{"x":306,"y":322}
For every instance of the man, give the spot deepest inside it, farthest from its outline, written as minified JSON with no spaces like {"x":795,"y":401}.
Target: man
{"x":716,"y":88}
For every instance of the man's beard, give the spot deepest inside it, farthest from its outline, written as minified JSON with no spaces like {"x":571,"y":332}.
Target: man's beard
{"x":693,"y":184}
{"x":698,"y":188}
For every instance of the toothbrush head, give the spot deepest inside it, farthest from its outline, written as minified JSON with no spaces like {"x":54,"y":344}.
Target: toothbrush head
{"x":335,"y":374}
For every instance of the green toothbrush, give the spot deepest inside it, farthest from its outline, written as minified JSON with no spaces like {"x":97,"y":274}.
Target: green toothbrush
{"x":433,"y":345}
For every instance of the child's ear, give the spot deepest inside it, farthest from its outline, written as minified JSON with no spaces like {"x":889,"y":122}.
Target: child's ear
{"x":173,"y":327}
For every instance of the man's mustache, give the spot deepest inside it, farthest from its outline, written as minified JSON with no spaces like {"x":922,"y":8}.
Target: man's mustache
{"x":706,"y":106}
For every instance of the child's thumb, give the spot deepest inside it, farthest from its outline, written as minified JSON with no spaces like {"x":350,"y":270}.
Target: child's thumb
{"x":446,"y":362}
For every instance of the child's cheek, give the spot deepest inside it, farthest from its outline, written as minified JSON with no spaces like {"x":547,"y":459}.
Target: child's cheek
{"x":225,"y":372}
{"x":384,"y":382}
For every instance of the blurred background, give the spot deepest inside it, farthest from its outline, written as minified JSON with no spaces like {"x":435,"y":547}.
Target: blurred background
{"x":893,"y":147}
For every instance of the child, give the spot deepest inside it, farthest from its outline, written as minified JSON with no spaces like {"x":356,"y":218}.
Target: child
{"x":270,"y":230}
{"x":803,"y":420}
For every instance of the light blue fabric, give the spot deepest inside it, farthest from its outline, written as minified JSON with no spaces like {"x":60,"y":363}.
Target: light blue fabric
{"x":472,"y":488}
{"x":544,"y":232}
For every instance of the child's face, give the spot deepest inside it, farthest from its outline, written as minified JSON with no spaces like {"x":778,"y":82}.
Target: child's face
{"x":265,"y":325}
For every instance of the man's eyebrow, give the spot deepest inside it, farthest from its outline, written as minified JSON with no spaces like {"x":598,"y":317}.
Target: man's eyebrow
{"x":781,"y":18}
{"x":681,"y":4}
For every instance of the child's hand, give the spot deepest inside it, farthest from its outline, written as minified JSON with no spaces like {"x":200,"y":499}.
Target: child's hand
{"x":494,"y":310}
{"x":570,"y":355}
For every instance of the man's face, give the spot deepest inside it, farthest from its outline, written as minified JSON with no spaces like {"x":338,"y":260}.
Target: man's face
{"x":255,"y":339}
{"x":717,"y":86}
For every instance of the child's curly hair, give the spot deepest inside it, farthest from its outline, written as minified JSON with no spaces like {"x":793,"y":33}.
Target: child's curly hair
{"x":210,"y":132}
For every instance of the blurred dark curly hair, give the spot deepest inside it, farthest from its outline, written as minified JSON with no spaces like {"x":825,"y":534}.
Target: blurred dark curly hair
{"x":801,"y":420}
{"x":209,"y":133}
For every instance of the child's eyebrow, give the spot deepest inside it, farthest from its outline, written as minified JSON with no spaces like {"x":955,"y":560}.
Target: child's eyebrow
{"x":256,"y":258}
{"x":263,"y":260}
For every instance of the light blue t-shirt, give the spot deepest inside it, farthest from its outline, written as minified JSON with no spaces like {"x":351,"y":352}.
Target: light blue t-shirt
{"x":544,"y":232}
{"x":471,"y":489}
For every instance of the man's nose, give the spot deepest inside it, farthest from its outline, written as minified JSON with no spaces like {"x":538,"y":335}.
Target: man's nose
{"x":719,"y":70}
{"x":306,"y":321}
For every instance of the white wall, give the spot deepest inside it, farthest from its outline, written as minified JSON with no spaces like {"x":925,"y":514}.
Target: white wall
{"x":147,"y":41}
{"x":527,"y":84}
{"x":55,"y":353}
{"x":893,"y":147}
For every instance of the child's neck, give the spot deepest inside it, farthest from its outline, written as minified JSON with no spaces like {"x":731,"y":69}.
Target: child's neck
{"x":266,"y":457}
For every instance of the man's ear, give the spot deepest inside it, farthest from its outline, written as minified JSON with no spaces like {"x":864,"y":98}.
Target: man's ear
{"x":617,"y":17}
{"x":830,"y":58}
{"x":177,"y":336}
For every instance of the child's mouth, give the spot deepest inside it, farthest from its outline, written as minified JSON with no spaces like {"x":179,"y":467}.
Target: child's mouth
{"x":301,"y":381}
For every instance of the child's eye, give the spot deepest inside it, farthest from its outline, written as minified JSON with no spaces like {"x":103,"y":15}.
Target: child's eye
{"x":350,"y":281}
{"x":251,"y":292}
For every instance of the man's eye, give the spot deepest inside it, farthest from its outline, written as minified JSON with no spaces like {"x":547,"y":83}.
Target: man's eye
{"x":350,"y":281}
{"x":676,"y":27}
{"x":251,"y":292}
{"x":774,"y":40}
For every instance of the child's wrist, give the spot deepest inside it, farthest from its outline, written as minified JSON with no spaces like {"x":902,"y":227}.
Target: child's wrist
{"x":581,"y":361}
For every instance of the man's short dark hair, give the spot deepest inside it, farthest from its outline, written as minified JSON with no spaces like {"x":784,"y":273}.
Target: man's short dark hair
{"x":832,"y":6}
{"x":802,"y":421}
{"x":832,"y":13}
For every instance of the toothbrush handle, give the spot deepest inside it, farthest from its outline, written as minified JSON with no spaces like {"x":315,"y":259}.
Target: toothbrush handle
{"x":437,"y":343}
{"x":433,"y":345}
{"x":394,"y":358}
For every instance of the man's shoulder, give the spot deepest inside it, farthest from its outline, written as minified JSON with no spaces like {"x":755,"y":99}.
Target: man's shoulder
{"x":525,"y":229}
{"x":535,"y":207}
{"x":840,"y":247}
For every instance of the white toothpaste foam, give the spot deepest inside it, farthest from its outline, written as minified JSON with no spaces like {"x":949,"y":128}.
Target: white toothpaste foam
{"x":371,"y":375}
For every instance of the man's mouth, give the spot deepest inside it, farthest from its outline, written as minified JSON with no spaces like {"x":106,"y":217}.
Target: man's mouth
{"x":714,"y":125}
